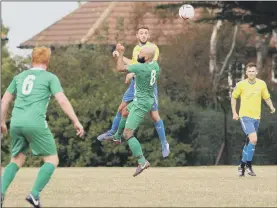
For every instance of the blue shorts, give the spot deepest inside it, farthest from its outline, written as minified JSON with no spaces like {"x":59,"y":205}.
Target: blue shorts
{"x":249,"y":125}
{"x":130,"y":92}
{"x":129,"y":95}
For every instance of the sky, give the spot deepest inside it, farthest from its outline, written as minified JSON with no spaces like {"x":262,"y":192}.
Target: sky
{"x":26,"y":19}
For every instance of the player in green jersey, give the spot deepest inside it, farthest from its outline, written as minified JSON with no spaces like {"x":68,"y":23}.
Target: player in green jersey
{"x":28,"y":128}
{"x":147,"y":72}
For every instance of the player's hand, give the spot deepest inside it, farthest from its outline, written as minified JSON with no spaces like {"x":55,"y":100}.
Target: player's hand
{"x":235,"y":116}
{"x":272,"y":110}
{"x":120,"y":48}
{"x":129,"y":76}
{"x":115,"y":54}
{"x":4,"y":128}
{"x":79,"y":128}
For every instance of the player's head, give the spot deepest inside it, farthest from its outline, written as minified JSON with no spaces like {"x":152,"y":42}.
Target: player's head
{"x":146,"y":54}
{"x":41,"y":56}
{"x":143,"y":34}
{"x":251,"y":71}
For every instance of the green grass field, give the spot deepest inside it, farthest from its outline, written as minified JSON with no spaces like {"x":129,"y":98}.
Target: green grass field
{"x":178,"y":187}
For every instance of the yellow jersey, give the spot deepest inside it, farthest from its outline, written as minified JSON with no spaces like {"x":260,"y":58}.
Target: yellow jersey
{"x":251,"y":96}
{"x":138,"y":48}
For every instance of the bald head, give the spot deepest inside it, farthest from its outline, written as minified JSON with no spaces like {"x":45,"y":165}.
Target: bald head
{"x":147,"y":53}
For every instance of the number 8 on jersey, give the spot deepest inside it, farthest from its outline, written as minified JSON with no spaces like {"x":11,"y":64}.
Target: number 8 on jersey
{"x":153,"y":77}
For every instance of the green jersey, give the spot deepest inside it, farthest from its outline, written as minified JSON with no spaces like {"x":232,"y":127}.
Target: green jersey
{"x":33,"y":89}
{"x":146,"y":78}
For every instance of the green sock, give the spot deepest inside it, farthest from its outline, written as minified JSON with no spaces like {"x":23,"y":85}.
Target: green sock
{"x":44,"y":175}
{"x":8,"y":176}
{"x":120,"y":129}
{"x":136,"y":149}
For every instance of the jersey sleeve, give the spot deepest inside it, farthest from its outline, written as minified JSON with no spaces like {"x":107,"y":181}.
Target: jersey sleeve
{"x":265,"y":93}
{"x":237,"y":91}
{"x":55,"y":85}
{"x":135,"y":68}
{"x":12,"y":87}
{"x":157,"y":53}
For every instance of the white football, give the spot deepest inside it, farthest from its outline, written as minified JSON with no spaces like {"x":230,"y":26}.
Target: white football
{"x":186,"y":11}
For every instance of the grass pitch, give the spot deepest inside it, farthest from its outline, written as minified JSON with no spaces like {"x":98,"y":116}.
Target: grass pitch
{"x":155,"y":187}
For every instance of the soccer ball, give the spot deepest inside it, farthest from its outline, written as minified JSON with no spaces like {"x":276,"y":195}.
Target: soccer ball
{"x":186,"y":11}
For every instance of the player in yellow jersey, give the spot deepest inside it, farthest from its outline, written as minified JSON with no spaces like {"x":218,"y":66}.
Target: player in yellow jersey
{"x":251,"y":91}
{"x":142,"y":36}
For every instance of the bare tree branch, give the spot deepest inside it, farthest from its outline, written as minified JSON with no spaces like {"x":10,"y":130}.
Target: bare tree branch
{"x":213,"y":47}
{"x":231,"y":50}
{"x":274,"y":33}
{"x":262,"y":43}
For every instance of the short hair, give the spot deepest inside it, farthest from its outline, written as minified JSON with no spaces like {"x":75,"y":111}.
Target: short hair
{"x":142,"y":27}
{"x":250,"y":64}
{"x":41,"y":55}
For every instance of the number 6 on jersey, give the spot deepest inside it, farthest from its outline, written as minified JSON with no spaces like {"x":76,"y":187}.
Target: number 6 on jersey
{"x":28,"y":84}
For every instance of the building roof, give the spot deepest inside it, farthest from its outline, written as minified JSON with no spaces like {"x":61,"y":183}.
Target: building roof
{"x":108,"y":23}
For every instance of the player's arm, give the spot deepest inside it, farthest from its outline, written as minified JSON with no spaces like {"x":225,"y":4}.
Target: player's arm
{"x":120,"y":65}
{"x":68,"y":110}
{"x":129,"y":76}
{"x":66,"y":106}
{"x":234,"y":104}
{"x":270,"y":105}
{"x":57,"y":91}
{"x":5,"y":103}
{"x":125,"y":60}
{"x":236,"y":93}
{"x":128,"y":61}
{"x":266,"y":97}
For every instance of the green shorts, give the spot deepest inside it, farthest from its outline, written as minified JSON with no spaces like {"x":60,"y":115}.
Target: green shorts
{"x":39,"y":139}
{"x":136,"y":116}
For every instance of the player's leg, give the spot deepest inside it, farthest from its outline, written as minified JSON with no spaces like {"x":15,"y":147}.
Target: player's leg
{"x":249,"y":130}
{"x":10,"y":171}
{"x":42,"y":144}
{"x":43,"y":177}
{"x":117,"y":118}
{"x":127,"y":98}
{"x":135,"y":117}
{"x":241,"y":168}
{"x":253,"y":138}
{"x":19,"y":147}
{"x":115,"y":124}
{"x":159,"y":125}
{"x":244,"y":153}
{"x":118,"y":135}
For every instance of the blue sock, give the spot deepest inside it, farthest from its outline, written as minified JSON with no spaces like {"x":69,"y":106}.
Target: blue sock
{"x":250,"y":151}
{"x":244,"y":154}
{"x":116,"y":122}
{"x":160,"y":130}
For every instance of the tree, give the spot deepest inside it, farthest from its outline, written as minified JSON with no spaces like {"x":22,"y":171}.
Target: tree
{"x":8,"y":64}
{"x":259,"y":14}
